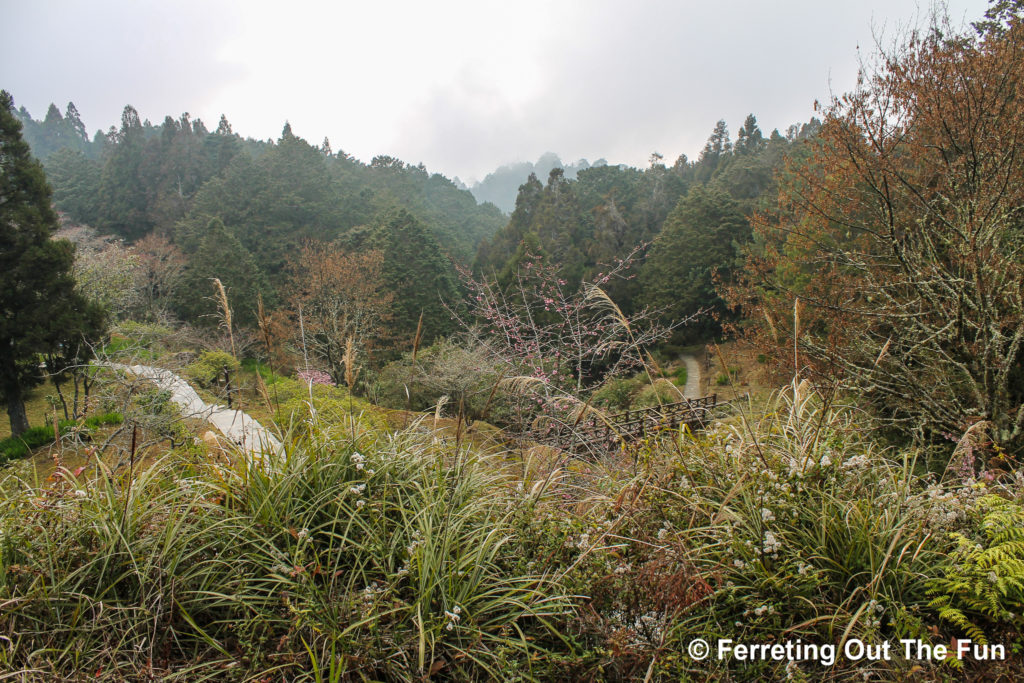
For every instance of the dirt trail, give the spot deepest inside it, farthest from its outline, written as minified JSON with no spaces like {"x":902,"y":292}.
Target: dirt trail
{"x":692,"y":388}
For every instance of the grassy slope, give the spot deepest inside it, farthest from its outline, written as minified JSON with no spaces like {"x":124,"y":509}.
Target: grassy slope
{"x":36,"y":406}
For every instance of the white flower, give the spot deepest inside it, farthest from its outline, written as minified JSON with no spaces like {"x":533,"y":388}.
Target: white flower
{"x":771,"y":544}
{"x":360,"y":503}
{"x":856,"y":461}
{"x":303,"y":535}
{"x":767,"y":515}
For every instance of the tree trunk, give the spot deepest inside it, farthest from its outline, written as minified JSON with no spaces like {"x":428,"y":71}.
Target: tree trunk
{"x":16,"y":410}
{"x":60,"y":395}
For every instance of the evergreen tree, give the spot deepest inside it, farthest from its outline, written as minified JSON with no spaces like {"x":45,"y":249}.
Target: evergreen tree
{"x":701,"y":237}
{"x":221,"y":255}
{"x":79,"y":135}
{"x":41,"y":312}
{"x":560,"y":226}
{"x":224,"y":128}
{"x":123,"y":188}
{"x":494,"y":255}
{"x":76,"y":182}
{"x":750,"y":140}
{"x":717,"y":149}
{"x":422,"y":278}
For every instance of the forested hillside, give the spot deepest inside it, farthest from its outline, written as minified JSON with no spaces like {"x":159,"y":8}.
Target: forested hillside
{"x":693,"y":216}
{"x":501,"y":185}
{"x":241,"y":209}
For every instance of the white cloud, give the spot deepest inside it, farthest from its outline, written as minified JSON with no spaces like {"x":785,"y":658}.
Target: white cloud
{"x":462,"y":86}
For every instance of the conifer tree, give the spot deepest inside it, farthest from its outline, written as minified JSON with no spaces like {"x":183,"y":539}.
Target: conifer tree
{"x":221,"y":255}
{"x":422,"y":278}
{"x":701,"y":237}
{"x":39,"y":310}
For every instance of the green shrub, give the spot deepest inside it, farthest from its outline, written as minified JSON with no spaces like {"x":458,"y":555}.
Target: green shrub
{"x":107,"y":419}
{"x":680,"y":376}
{"x":617,"y":392}
{"x":263,"y":370}
{"x":142,"y":341}
{"x":466,"y":375}
{"x":15,"y":447}
{"x":212,"y":367}
{"x":659,"y":393}
{"x":803,"y":526}
{"x":334,"y":407}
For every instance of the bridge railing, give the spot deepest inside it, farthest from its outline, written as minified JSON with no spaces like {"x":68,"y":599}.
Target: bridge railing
{"x":595,"y":435}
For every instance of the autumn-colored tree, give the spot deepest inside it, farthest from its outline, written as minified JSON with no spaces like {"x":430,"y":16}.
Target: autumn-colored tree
{"x":344,"y":303}
{"x":903,"y":238}
{"x":160,"y":270}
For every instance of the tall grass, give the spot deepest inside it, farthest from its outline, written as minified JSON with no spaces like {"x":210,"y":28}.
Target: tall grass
{"x":356,"y":553}
{"x":390,"y":556}
{"x":810,"y":529}
{"x":106,"y":578}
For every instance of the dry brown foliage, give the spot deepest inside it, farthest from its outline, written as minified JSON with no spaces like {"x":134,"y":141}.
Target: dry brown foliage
{"x":902,"y":237}
{"x":344,"y":303}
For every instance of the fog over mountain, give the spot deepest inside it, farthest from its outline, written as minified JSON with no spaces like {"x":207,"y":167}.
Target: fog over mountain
{"x":501,"y":186}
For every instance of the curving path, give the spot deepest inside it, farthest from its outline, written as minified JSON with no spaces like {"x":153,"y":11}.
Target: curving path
{"x":253,"y":438}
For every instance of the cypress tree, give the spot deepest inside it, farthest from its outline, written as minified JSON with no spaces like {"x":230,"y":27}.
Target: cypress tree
{"x":39,"y":310}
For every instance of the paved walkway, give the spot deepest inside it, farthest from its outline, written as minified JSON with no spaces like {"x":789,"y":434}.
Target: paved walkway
{"x":245,"y":432}
{"x":692,"y":388}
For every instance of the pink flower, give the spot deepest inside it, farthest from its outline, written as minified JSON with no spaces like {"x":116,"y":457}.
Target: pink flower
{"x":315,"y":377}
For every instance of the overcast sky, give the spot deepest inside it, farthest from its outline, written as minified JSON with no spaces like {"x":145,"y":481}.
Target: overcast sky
{"x":461,"y":86}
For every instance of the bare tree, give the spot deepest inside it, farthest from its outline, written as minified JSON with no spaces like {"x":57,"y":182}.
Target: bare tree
{"x":561,"y":341}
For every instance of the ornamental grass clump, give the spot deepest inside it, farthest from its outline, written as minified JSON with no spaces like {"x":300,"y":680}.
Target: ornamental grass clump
{"x":807,"y":529}
{"x":385,"y":555}
{"x":388,"y":555}
{"x":114,"y":577}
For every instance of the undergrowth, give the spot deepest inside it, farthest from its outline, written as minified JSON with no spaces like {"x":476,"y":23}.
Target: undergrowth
{"x":358,"y":553}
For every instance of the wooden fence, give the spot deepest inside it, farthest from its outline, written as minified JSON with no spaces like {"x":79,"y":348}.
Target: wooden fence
{"x":595,"y":434}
